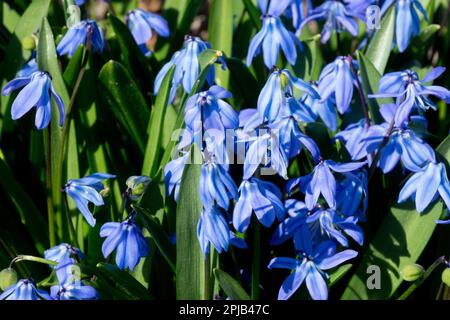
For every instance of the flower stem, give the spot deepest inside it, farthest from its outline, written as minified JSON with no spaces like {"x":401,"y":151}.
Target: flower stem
{"x":32,"y":258}
{"x":427,"y":273}
{"x":256,"y":261}
{"x":207,"y":282}
{"x":383,"y":143}
{"x":72,"y":232}
{"x":361,"y":93}
{"x":48,"y":181}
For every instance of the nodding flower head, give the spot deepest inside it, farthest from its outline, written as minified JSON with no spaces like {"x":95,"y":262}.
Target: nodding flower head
{"x":80,"y":34}
{"x":24,"y":289}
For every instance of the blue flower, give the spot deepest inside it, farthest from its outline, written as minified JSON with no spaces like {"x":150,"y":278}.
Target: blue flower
{"x":28,"y":69}
{"x":262,"y":198}
{"x":142,"y":24}
{"x":323,"y":108}
{"x":270,"y":39}
{"x":62,"y":251}
{"x":216,"y":185}
{"x":309,"y":267}
{"x":213,"y":228}
{"x":407,"y":22}
{"x":85,"y":190}
{"x":70,"y":286}
{"x":295,"y":9}
{"x":80,"y":34}
{"x":173,"y":171}
{"x":24,"y":289}
{"x":127,"y":239}
{"x":187,"y":66}
{"x":279,"y":86}
{"x":80,"y":2}
{"x":206,"y":110}
{"x":265,"y":150}
{"x":337,"y":78}
{"x":322,"y":182}
{"x":37,"y":92}
{"x":410,"y":92}
{"x":353,"y":191}
{"x":425,"y":185}
{"x":338,"y":18}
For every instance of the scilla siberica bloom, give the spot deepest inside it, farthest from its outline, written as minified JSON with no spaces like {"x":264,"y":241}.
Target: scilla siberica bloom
{"x":309,"y":267}
{"x":410,"y":92}
{"x":80,"y":34}
{"x":338,"y":18}
{"x":337,"y":78}
{"x":142,"y":24}
{"x":206,"y":110}
{"x":85,"y":190}
{"x":407,"y":22}
{"x":187,"y":66}
{"x":261,"y":197}
{"x":295,"y":9}
{"x":353,"y":195}
{"x":322,"y":181}
{"x":24,"y":289}
{"x":37,"y":92}
{"x":212,"y":227}
{"x":272,"y":37}
{"x":28,"y":69}
{"x":70,"y":286}
{"x":127,"y":239}
{"x":62,"y":251}
{"x":280,"y":85}
{"x":323,"y":108}
{"x":425,"y":185}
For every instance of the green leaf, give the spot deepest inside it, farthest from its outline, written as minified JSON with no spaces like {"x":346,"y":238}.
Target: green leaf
{"x":124,"y":281}
{"x":160,"y":237}
{"x":310,"y":61}
{"x":47,"y":60}
{"x":230,"y":286}
{"x":337,"y":274}
{"x":399,"y":241}
{"x":190,"y":276}
{"x":253,"y":13}
{"x":370,"y":77}
{"x":220,"y":34}
{"x":155,"y":129}
{"x":380,"y":46}
{"x":243,"y":81}
{"x":29,"y":214}
{"x":131,"y":55}
{"x":125,"y":101}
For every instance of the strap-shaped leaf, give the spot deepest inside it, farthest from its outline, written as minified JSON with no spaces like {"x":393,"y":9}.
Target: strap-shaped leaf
{"x":230,"y":286}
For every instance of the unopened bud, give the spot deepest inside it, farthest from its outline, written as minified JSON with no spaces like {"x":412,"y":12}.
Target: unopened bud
{"x":137,"y":186}
{"x":8,"y":277}
{"x":446,"y":276}
{"x":29,"y":43}
{"x":412,"y":272}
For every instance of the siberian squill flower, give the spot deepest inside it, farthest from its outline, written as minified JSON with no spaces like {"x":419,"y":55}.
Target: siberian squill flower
{"x":291,"y":139}
{"x":410,"y":92}
{"x":213,"y":228}
{"x":261,"y":197}
{"x":278,"y":87}
{"x":37,"y":92}
{"x":142,"y":24}
{"x":407,"y":22}
{"x":70,"y":286}
{"x":309,"y":267}
{"x":206,"y":110}
{"x":173,"y":171}
{"x":127,"y":239}
{"x":322,"y":181}
{"x":271,"y":38}
{"x":338,"y":18}
{"x":323,"y":108}
{"x":85,"y":190}
{"x":424,"y":186}
{"x":136,"y":186}
{"x":62,"y":251}
{"x":24,"y":289}
{"x":80,"y":34}
{"x":187,"y":66}
{"x":352,"y":196}
{"x":297,"y":10}
{"x":216,"y":185}
{"x":28,"y":69}
{"x":337,"y":79}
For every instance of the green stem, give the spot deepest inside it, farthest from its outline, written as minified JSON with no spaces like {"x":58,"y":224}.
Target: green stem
{"x":32,"y":258}
{"x":207,"y":288}
{"x":256,"y":261}
{"x":123,"y":208}
{"x":48,"y":181}
{"x":72,"y":233}
{"x":427,"y":273}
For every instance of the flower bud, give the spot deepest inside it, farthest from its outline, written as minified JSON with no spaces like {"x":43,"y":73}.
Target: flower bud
{"x":137,"y":186}
{"x":29,"y":43}
{"x":8,"y":277}
{"x":412,"y":272}
{"x":446,"y":276}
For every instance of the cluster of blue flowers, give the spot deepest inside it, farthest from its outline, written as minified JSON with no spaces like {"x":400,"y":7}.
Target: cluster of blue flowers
{"x":320,"y":211}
